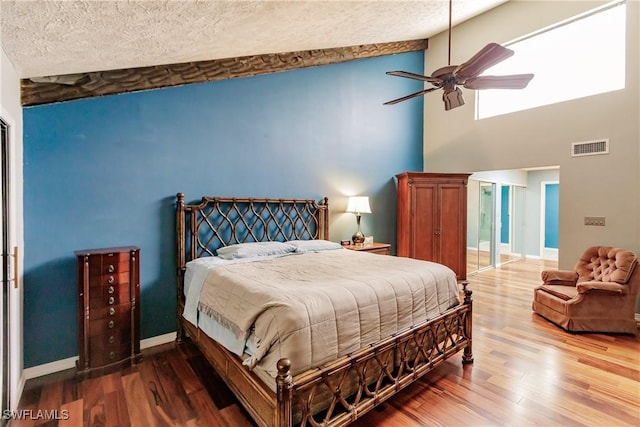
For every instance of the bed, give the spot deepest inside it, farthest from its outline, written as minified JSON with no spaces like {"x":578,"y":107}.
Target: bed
{"x":285,"y":377}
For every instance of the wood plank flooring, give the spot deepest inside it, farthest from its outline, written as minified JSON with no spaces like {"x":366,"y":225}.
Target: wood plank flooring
{"x":527,"y":372}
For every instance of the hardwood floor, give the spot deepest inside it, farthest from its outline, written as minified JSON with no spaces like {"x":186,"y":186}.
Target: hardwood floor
{"x":527,"y":372}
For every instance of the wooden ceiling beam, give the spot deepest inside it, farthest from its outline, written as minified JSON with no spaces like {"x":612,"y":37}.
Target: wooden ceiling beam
{"x":111,"y":82}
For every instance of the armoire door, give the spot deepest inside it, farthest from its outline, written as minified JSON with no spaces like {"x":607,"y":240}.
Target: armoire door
{"x":452,"y":228}
{"x":424,"y":221}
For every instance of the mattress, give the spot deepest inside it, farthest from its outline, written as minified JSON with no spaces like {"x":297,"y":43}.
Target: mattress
{"x":312,"y":307}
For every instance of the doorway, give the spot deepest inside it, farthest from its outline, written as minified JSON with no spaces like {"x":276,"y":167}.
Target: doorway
{"x":550,"y":219}
{"x":481,"y":200}
{"x":512,"y":225}
{"x":486,"y":222}
{"x":517,"y":200}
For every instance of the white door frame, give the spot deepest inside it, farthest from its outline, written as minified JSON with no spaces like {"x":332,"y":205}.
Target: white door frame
{"x":15,"y":368}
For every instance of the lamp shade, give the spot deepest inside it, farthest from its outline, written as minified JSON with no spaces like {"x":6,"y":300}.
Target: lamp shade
{"x":358,"y":204}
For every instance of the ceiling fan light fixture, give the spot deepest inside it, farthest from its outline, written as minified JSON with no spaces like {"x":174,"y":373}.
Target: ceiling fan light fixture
{"x":452,"y":98}
{"x":466,"y":75}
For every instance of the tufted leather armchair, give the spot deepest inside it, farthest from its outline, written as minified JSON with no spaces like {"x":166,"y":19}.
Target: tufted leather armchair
{"x":598,"y":296}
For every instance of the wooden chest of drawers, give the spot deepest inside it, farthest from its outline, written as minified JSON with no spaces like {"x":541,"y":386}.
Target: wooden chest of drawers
{"x":108,"y":308}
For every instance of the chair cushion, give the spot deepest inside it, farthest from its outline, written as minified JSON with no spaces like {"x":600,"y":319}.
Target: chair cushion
{"x":606,"y":264}
{"x":565,"y":293}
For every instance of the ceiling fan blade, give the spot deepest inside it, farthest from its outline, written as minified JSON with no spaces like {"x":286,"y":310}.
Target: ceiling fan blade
{"x":514,"y":81}
{"x":413,"y":95}
{"x":415,"y":76}
{"x":488,"y":56}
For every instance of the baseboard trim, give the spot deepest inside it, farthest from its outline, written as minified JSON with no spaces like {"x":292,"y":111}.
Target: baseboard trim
{"x":50,"y":368}
{"x":157,"y":340}
{"x":64,"y":364}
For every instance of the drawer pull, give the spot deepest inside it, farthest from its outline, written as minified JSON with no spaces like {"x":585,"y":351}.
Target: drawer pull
{"x":111,"y":268}
{"x":112,"y":311}
{"x":110,"y":279}
{"x":112,"y":339}
{"x":111,"y":324}
{"x":111,"y":300}
{"x":111,"y":289}
{"x":112,"y":355}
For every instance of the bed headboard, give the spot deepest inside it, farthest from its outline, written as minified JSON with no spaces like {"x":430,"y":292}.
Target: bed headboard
{"x":221,"y":221}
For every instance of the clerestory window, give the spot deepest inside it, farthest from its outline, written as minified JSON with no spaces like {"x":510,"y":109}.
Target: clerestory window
{"x":580,"y":57}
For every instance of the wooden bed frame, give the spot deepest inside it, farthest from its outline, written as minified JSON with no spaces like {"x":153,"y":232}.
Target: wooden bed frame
{"x":336,"y":393}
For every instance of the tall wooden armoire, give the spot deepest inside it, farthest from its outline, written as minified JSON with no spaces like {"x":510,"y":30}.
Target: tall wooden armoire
{"x":432,"y":218}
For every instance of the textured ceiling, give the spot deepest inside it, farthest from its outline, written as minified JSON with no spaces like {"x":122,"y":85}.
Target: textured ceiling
{"x":44,"y":38}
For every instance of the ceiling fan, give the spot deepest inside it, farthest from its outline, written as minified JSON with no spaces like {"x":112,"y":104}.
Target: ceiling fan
{"x":467,"y":75}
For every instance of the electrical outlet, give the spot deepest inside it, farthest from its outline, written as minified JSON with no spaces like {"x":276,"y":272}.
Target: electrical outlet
{"x":594,"y":220}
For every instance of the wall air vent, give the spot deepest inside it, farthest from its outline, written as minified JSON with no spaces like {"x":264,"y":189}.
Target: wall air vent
{"x":590,"y":148}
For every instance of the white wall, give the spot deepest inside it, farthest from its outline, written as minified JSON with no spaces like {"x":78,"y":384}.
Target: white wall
{"x":605,"y":185}
{"x":11,"y":112}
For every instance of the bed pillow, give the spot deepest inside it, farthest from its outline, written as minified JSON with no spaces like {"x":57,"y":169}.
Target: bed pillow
{"x":255,"y":249}
{"x":303,"y":246}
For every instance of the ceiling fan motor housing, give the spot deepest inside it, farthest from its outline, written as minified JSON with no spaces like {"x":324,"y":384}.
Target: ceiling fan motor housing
{"x":452,"y":98}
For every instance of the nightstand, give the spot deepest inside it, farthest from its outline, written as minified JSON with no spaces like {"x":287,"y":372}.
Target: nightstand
{"x":374,"y":248}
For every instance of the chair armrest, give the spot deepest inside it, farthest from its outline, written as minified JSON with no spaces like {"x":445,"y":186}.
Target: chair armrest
{"x":559,"y":277}
{"x":616,"y":288}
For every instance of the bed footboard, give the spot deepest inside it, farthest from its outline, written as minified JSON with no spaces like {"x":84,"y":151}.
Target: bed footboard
{"x":342,"y":391}
{"x":395,"y":363}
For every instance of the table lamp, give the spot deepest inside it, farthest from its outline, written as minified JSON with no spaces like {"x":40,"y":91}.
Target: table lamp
{"x":358,"y":205}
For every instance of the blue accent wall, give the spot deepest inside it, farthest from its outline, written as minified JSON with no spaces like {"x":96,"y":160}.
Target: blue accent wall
{"x":104,"y":172}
